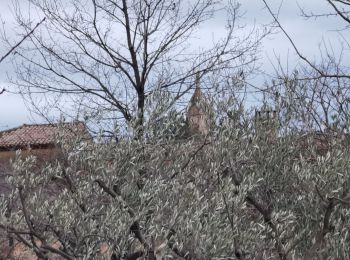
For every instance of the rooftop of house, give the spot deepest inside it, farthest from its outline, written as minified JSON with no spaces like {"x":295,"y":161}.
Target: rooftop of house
{"x":37,"y":135}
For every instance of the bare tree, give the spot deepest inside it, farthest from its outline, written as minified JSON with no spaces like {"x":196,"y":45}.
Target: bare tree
{"x":317,"y":89}
{"x":337,"y":9}
{"x":13,"y":47}
{"x":111,"y":56}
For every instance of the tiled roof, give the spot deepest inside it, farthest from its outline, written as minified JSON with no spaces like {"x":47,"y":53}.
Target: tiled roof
{"x":37,"y":134}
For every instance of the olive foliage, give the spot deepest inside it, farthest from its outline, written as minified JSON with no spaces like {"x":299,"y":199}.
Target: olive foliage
{"x":235,"y":194}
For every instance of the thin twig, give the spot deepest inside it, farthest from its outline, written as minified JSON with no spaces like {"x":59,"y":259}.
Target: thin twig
{"x":21,"y":41}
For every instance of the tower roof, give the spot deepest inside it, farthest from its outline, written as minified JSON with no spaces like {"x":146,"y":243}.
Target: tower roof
{"x":197,"y":95}
{"x":197,"y":115}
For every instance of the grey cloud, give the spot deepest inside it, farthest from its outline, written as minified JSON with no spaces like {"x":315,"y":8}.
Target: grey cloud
{"x":13,"y":112}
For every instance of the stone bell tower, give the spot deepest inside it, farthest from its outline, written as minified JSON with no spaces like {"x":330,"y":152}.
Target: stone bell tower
{"x":197,"y":116}
{"x":266,"y":124}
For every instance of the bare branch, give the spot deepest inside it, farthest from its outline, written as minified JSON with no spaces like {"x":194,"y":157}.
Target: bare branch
{"x":13,"y":48}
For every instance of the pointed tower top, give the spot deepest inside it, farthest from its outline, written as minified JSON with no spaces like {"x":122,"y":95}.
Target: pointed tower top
{"x":198,"y":78}
{"x":197,"y":92}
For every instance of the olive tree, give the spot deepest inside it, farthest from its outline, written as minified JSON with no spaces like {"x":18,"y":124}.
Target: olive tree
{"x":307,"y":102}
{"x":234,"y":194}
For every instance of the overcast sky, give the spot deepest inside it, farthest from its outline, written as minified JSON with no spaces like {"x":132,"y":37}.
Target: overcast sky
{"x":306,"y":33}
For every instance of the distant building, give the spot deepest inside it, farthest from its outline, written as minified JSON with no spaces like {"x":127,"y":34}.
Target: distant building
{"x":39,"y":136}
{"x":198,"y":118}
{"x":39,"y":140}
{"x":320,"y":142}
{"x":266,"y":124}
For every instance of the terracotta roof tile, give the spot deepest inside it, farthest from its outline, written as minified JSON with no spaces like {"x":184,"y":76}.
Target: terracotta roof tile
{"x":38,"y":134}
